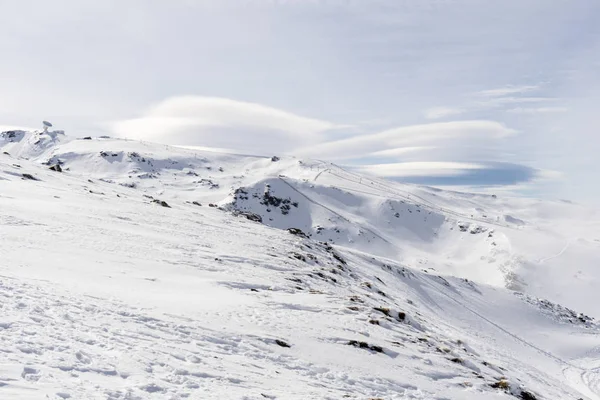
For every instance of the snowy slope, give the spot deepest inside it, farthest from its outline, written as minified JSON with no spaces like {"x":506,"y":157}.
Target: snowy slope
{"x":107,"y":294}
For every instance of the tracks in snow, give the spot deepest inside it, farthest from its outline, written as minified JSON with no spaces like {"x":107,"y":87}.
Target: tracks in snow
{"x":399,"y":194}
{"x":585,"y":381}
{"x":332,"y":211}
{"x":560,"y":253}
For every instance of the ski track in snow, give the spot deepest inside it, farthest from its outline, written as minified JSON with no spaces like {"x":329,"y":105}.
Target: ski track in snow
{"x":585,"y":380}
{"x":560,"y":253}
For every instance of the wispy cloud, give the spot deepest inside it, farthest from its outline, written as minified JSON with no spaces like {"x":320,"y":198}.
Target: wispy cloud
{"x":305,"y":67}
{"x":401,"y":151}
{"x":422,"y":168}
{"x":410,"y":136}
{"x":220,"y":122}
{"x":538,"y":110}
{"x":508,"y":90}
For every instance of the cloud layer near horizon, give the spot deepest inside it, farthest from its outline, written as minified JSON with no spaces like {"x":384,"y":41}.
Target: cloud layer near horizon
{"x":447,"y":152}
{"x":225,"y":123}
{"x":285,"y":76}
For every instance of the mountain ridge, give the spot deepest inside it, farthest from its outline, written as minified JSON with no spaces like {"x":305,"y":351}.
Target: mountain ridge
{"x":362,"y":297}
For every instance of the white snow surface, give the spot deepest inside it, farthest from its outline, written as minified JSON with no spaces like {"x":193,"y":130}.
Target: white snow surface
{"x":135,"y":274}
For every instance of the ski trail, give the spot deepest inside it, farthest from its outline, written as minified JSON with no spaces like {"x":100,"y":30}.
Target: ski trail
{"x":507,"y":332}
{"x":560,"y":253}
{"x":397,"y":193}
{"x":585,"y":381}
{"x":332,"y":211}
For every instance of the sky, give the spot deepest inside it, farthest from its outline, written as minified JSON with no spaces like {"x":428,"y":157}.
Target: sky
{"x":477,"y":95}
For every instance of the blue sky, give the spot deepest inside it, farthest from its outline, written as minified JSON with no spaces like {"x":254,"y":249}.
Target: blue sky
{"x":471,"y":94}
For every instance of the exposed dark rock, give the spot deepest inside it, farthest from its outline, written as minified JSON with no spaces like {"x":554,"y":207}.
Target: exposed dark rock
{"x":249,"y":215}
{"x":356,"y":299}
{"x":87,"y":138}
{"x":56,"y":168}
{"x":501,"y":384}
{"x":297,"y":232}
{"x":298,"y":256}
{"x":196,"y":203}
{"x":13,"y":136}
{"x":365,"y":345}
{"x":444,"y":281}
{"x":30,"y":177}
{"x":477,"y":229}
{"x":274,"y":159}
{"x":525,"y":395}
{"x":240,"y":194}
{"x":209,"y":183}
{"x":282,"y":343}
{"x":269,"y":200}
{"x":558,"y":312}
{"x":383,"y":310}
{"x":161,"y":202}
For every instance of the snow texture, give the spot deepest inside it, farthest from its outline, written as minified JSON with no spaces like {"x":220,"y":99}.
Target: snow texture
{"x":144,"y":271}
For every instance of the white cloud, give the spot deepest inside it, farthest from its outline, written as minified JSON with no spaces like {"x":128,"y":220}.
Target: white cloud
{"x":442,"y":112}
{"x":508,"y":90}
{"x":400,"y":151}
{"x":377,"y":65}
{"x":538,"y":110}
{"x":410,"y":136}
{"x":220,"y":122}
{"x":422,"y":168}
{"x":550,"y":175}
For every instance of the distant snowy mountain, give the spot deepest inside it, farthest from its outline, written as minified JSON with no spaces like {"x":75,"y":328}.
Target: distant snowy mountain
{"x":132,"y":270}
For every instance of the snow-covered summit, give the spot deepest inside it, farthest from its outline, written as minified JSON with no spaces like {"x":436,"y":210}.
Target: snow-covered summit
{"x":138,"y":270}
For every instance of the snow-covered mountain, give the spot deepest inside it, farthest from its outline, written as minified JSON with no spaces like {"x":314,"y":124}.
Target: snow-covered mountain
{"x":132,"y":270}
